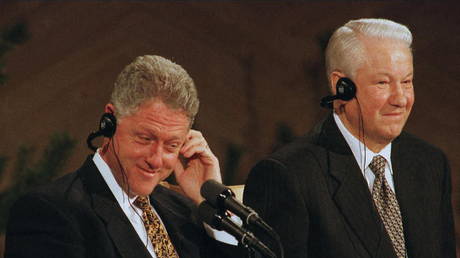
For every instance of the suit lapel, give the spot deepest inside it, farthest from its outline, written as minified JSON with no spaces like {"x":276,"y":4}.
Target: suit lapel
{"x":176,"y":218}
{"x":412,"y":198}
{"x":350,"y":192}
{"x":353,"y":199}
{"x":105,"y":205}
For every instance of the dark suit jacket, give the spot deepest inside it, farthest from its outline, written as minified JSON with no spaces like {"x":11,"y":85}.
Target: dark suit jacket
{"x":315,"y":196}
{"x":78,"y":216}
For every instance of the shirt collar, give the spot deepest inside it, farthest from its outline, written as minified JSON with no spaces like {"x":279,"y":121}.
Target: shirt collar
{"x":120,"y":195}
{"x":361,"y":153}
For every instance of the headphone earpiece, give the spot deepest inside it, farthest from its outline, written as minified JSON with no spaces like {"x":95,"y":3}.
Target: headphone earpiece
{"x":345,"y":90}
{"x":107,"y":127}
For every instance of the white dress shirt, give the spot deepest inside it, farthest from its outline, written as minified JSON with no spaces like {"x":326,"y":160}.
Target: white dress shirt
{"x":364,"y":156}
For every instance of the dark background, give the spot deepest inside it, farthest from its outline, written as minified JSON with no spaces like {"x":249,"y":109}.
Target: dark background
{"x":258,"y":67}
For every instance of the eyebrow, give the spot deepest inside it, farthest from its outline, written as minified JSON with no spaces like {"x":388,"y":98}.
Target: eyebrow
{"x":389,"y":75}
{"x":409,"y":74}
{"x":174,"y":138}
{"x":142,"y":130}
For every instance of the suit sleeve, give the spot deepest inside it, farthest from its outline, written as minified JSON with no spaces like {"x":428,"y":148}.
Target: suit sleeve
{"x":446,"y":220}
{"x":275,"y":193}
{"x":37,"y":228}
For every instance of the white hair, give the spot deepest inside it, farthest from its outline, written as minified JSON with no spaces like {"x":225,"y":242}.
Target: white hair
{"x":345,"y":50}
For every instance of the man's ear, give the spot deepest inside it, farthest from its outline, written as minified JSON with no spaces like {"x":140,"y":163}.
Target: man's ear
{"x":333,"y":78}
{"x":109,"y":108}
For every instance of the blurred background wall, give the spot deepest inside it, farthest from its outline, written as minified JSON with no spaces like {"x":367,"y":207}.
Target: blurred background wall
{"x":258,"y":67}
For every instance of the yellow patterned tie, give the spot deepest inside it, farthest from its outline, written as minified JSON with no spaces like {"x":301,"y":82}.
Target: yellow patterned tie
{"x":387,"y":206}
{"x":162,"y":245}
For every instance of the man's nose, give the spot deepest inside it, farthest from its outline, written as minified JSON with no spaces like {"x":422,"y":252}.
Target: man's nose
{"x":155,"y":158}
{"x":398,"y":95}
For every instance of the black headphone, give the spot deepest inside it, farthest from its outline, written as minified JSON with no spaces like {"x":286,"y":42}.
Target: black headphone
{"x":346,"y":90}
{"x":107,"y":127}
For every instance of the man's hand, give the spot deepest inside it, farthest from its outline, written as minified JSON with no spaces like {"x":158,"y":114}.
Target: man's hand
{"x":201,"y":165}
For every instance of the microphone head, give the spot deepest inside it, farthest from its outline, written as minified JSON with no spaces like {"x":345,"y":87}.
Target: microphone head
{"x":208,"y":215}
{"x":215,"y":193}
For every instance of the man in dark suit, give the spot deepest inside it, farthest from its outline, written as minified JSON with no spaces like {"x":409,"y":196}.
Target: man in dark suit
{"x":114,"y":205}
{"x":357,"y":186}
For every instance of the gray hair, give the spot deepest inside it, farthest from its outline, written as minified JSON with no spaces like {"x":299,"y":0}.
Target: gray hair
{"x":149,"y":77}
{"x":345,"y":51}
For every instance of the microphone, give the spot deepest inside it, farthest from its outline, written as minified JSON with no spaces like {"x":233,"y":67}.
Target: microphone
{"x":219,"y":221}
{"x":223,"y":198}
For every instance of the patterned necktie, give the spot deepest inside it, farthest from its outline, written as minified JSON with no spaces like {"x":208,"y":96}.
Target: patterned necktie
{"x":387,"y":206}
{"x":162,"y":245}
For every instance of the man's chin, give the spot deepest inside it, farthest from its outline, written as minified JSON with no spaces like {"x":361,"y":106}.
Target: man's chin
{"x":390,"y":135}
{"x":142,"y":192}
{"x":145,"y":189}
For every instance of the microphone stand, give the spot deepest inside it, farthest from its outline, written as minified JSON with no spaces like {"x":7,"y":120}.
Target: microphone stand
{"x":219,"y":220}
{"x":251,"y":253}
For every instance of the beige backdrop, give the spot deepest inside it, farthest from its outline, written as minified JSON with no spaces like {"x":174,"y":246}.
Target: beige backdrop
{"x":256,"y":65}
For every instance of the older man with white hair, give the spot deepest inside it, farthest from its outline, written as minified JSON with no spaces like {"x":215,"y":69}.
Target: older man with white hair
{"x":357,"y":185}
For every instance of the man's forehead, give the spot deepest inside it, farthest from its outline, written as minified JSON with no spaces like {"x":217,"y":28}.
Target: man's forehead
{"x":155,"y":111}
{"x":375,"y":45}
{"x":385,"y":52}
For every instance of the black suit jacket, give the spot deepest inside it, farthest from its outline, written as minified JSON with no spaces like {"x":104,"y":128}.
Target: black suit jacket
{"x":78,"y":216}
{"x":315,"y":196}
